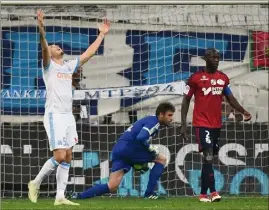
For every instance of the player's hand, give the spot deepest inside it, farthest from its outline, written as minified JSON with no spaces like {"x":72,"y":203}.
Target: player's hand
{"x":104,"y":27}
{"x":154,"y":149}
{"x":40,"y":18}
{"x":183,"y":132}
{"x":247,"y":116}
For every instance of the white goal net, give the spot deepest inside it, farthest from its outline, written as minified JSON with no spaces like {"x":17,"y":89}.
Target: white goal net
{"x":145,"y":59}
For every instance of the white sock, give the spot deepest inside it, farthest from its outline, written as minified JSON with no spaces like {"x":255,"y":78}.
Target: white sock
{"x":46,"y":170}
{"x":62,"y":175}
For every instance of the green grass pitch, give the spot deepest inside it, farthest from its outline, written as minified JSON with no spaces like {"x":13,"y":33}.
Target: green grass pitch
{"x":105,"y":203}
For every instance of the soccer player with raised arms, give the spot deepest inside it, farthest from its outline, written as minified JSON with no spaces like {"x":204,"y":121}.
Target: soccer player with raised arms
{"x":59,"y":121}
{"x":208,"y":87}
{"x":133,"y":147}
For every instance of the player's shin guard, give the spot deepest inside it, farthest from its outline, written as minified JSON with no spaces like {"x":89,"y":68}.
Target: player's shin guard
{"x":62,"y":178}
{"x":154,"y":176}
{"x":96,"y":190}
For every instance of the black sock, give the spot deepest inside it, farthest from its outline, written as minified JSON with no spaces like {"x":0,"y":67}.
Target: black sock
{"x":204,"y":183}
{"x":208,"y":178}
{"x":211,"y":180}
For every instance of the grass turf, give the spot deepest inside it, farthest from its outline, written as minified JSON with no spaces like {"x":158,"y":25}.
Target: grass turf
{"x":105,"y":203}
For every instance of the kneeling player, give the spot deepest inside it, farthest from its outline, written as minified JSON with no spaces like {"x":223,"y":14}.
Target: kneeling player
{"x":133,"y":148}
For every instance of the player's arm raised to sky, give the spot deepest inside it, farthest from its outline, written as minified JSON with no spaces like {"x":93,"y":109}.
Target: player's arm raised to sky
{"x":43,"y":41}
{"x":103,"y":29}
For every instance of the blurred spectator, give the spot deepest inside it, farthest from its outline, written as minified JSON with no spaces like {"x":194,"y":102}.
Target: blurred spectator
{"x":77,"y":104}
{"x":108,"y":119}
{"x":132,"y":116}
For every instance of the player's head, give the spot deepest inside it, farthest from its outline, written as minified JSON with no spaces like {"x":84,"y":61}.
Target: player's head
{"x":165,"y":112}
{"x":212,"y":59}
{"x":55,"y":51}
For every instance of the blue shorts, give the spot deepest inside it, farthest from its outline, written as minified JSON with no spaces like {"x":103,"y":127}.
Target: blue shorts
{"x":124,"y":155}
{"x":208,"y":138}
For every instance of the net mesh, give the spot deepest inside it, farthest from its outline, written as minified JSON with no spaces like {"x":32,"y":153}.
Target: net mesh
{"x":147,"y":47}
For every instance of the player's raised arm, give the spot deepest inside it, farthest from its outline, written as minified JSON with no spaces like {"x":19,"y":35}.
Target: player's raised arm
{"x":103,"y":29}
{"x":235,"y":104}
{"x":43,"y":41}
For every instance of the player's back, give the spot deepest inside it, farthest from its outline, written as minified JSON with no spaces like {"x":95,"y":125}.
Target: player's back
{"x":150,"y":123}
{"x":208,"y":92}
{"x":127,"y":145}
{"x":58,"y":81}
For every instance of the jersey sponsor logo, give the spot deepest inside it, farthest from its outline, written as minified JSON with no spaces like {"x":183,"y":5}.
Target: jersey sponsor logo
{"x":64,"y":76}
{"x":220,"y":82}
{"x":213,"y":82}
{"x":213,"y":90}
{"x":204,"y":78}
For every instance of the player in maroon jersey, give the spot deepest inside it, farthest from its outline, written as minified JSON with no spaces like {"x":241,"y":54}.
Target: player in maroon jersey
{"x":208,"y":87}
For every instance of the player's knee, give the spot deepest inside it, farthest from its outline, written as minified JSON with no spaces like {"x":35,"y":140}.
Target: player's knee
{"x":68,"y":156}
{"x":115,"y":180}
{"x":113,"y":186}
{"x":59,"y":155}
{"x":161,"y":159}
{"x":208,"y":155}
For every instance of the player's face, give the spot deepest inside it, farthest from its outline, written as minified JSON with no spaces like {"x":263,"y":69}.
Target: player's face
{"x":55,"y":51}
{"x":212,"y":61}
{"x":166,"y":118}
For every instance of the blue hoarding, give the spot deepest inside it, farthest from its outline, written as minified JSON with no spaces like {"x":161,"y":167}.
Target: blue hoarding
{"x":159,"y":57}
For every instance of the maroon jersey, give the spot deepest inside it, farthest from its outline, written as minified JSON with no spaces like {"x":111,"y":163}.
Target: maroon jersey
{"x":208,"y":90}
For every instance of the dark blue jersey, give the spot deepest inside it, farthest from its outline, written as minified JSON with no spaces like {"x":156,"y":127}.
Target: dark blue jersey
{"x":142,"y":131}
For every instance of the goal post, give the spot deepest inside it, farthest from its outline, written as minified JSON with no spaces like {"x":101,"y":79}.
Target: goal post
{"x":145,"y":59}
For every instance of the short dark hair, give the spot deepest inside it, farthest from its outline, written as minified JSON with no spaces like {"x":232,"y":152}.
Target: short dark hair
{"x":165,"y":107}
{"x":209,"y":51}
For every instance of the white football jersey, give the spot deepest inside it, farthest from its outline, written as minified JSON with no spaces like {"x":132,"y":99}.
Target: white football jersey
{"x":58,"y":81}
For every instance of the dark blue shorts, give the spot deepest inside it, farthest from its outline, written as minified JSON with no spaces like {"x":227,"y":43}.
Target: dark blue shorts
{"x":208,"y":138}
{"x":124,"y":155}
